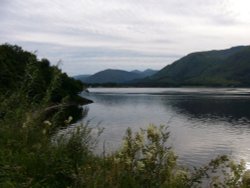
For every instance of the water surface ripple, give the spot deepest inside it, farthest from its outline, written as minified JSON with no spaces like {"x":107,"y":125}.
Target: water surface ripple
{"x":204,"y":122}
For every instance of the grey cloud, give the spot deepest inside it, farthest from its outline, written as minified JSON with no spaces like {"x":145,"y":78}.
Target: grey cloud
{"x":122,"y":33}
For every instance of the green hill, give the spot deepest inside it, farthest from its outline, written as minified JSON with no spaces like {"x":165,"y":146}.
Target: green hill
{"x":114,"y":76}
{"x":230,"y":67}
{"x":81,"y":77}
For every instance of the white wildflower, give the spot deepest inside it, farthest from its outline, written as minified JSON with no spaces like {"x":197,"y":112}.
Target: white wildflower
{"x":140,"y":165}
{"x":68,"y":120}
{"x":139,"y":140}
{"x":153,"y":148}
{"x":24,"y":125}
{"x":138,"y":143}
{"x":151,"y":130}
{"x":125,"y":144}
{"x":47,"y":122}
{"x":148,"y":155}
{"x":120,"y":154}
{"x":128,"y":161}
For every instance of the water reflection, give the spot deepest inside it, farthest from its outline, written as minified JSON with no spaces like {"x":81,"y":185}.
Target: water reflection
{"x":231,"y":108}
{"x":203,"y":122}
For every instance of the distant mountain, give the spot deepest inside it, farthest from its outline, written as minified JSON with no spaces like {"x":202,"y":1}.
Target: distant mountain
{"x":148,"y":72}
{"x":115,"y":76}
{"x":137,"y":71}
{"x":82,"y":77}
{"x":112,"y":76}
{"x":230,"y":67}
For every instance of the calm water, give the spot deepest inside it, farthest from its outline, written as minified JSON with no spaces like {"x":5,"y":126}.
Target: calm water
{"x":203,"y":122}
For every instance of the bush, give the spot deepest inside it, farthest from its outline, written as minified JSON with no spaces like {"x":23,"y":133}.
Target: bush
{"x":31,"y":157}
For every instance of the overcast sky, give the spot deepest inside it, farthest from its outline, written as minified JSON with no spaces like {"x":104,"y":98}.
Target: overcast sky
{"x":92,"y":35}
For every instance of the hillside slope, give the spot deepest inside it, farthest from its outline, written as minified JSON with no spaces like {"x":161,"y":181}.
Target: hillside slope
{"x":230,"y":67}
{"x":115,"y":76}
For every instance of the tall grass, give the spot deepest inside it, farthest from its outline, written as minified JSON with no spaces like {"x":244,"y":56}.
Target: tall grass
{"x":29,"y":157}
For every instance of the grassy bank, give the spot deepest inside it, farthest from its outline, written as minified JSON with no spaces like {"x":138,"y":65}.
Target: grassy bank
{"x":30,"y":156}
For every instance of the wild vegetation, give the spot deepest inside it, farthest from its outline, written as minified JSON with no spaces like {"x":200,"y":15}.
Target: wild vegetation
{"x":32,"y":83}
{"x":40,"y":147}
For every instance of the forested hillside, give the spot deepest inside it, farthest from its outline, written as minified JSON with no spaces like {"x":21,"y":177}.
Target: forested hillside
{"x":229,"y":67}
{"x":114,"y":76}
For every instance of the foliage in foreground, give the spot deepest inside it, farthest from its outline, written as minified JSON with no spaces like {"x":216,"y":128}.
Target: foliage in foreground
{"x":145,"y":161}
{"x":31,"y":157}
{"x":28,"y":84}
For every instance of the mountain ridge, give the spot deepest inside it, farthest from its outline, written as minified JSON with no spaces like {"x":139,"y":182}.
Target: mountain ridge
{"x":229,"y":67}
{"x":115,"y":76}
